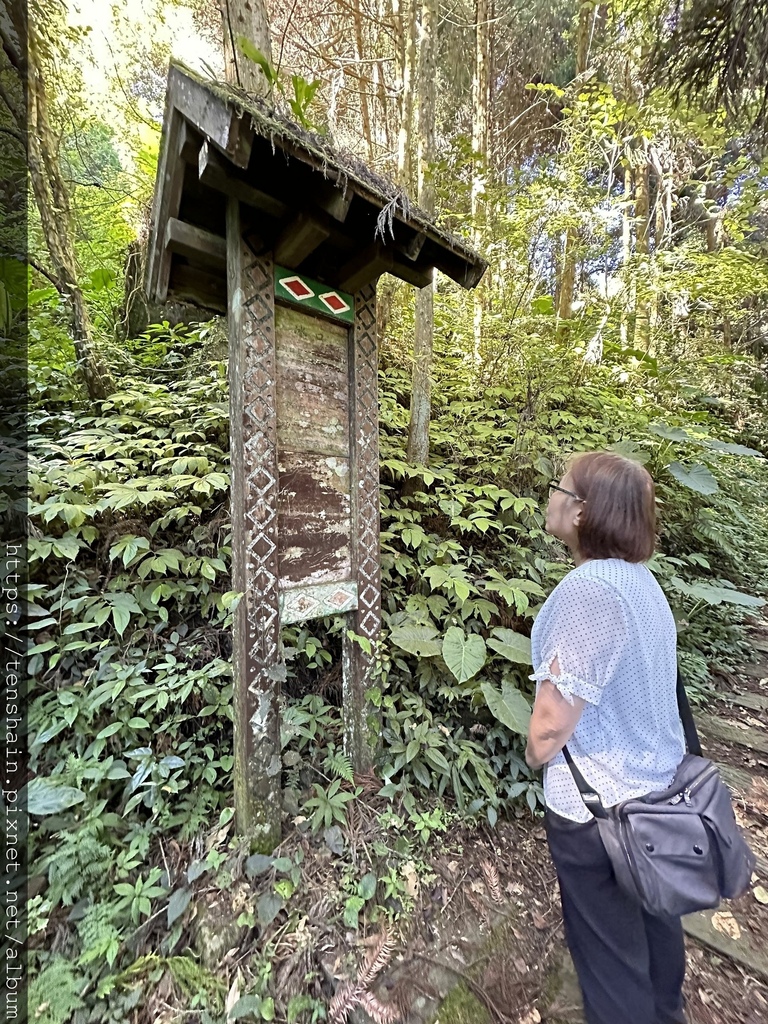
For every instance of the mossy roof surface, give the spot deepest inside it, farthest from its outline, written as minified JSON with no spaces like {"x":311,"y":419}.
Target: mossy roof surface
{"x":346,"y":169}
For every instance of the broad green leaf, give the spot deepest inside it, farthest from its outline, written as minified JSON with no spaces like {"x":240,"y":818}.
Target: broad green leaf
{"x":629,"y":450}
{"x":697,"y":477}
{"x":268,"y":907}
{"x":437,"y":760}
{"x":109,"y":730}
{"x":352,"y":908}
{"x":714,"y":595}
{"x":47,"y":797}
{"x":100,"y":279}
{"x":246,"y":1006}
{"x":38,"y":295}
{"x":544,"y":305}
{"x":733,"y":449}
{"x":418,"y":640}
{"x":669,"y":433}
{"x":508,"y":705}
{"x":252,"y":52}
{"x":511,"y":645}
{"x":177,"y":904}
{"x":368,"y":885}
{"x":464,"y":655}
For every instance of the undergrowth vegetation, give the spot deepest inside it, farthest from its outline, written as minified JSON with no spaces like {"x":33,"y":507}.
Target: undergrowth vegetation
{"x":131,"y":611}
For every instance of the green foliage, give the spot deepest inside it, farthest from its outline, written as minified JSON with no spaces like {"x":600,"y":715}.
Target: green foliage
{"x":328,"y":805}
{"x":303,"y":91}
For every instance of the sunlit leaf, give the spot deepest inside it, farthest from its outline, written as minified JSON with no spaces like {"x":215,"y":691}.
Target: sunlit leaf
{"x":697,"y":477}
{"x":508,"y":705}
{"x":464,"y":655}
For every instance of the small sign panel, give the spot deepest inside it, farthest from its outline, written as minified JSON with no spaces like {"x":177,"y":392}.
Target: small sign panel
{"x":311,"y":295}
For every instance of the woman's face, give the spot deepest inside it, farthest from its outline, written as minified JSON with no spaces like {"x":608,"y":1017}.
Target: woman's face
{"x":563,"y":514}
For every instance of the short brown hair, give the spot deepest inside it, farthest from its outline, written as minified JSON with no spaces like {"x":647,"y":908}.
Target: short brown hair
{"x":618,"y":519}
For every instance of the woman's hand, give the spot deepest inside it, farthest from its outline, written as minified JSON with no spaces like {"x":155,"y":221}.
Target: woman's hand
{"x":552,"y":722}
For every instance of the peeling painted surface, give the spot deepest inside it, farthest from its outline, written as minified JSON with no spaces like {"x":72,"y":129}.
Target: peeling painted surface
{"x":315,"y":602}
{"x":313,"y":433}
{"x":314,"y":519}
{"x":312,"y":384}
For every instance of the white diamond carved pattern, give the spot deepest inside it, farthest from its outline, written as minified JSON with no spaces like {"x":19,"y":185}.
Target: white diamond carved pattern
{"x":260,"y":462}
{"x":334,"y":302}
{"x":367,"y":429}
{"x":298,"y":288}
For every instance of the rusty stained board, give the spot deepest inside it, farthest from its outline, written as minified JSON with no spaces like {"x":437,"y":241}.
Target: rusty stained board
{"x":314,"y":510}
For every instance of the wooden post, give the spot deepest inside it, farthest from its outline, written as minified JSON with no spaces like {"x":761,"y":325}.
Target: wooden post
{"x":253,"y":431}
{"x":360,"y":734}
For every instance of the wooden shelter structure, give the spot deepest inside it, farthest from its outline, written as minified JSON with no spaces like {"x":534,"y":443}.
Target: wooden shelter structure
{"x":255,"y":217}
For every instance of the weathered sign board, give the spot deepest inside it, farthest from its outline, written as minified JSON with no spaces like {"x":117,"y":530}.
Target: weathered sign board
{"x":259,"y":219}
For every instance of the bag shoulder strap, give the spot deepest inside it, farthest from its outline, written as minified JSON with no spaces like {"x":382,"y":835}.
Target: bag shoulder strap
{"x":689,"y":726}
{"x":588,"y":794}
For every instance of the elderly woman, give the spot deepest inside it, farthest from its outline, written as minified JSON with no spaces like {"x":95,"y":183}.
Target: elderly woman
{"x":604,"y":653}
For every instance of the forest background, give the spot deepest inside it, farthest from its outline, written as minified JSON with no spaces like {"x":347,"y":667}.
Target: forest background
{"x":624,"y":220}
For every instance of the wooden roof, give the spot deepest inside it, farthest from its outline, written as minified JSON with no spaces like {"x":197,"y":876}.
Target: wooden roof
{"x":319,"y":211}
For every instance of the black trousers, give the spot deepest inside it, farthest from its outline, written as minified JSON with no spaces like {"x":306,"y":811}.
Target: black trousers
{"x":630,"y":965}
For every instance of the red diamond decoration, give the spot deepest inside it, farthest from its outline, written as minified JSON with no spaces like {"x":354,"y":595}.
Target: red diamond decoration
{"x":334,"y":302}
{"x":296,"y":287}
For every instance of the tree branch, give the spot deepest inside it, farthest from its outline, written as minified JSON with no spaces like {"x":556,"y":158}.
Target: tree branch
{"x":14,"y":135}
{"x":46,"y":273}
{"x":11,"y":52}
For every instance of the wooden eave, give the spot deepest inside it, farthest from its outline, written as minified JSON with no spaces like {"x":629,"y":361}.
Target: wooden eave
{"x":318,"y":211}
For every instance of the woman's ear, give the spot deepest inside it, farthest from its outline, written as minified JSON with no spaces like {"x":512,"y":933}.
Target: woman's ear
{"x":577,"y":515}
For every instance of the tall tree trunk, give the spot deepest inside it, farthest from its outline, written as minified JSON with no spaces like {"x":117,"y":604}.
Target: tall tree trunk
{"x":642,"y":219}
{"x":247,"y":18}
{"x":421,"y":390}
{"x":626,"y":248}
{"x":408,"y":8}
{"x":480,"y":97}
{"x":660,"y":227}
{"x":587,"y":16}
{"x":53,"y":203}
{"x":362,"y":81}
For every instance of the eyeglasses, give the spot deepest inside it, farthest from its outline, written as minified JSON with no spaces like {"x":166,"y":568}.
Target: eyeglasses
{"x":554,"y":486}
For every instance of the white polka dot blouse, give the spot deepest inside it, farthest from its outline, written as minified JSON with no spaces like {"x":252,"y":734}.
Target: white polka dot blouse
{"x":611,"y":629}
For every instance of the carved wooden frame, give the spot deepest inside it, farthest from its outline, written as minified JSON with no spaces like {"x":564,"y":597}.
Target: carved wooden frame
{"x":253,"y":431}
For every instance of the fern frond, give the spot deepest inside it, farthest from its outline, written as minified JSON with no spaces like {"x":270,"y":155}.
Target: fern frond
{"x":378,"y":1011}
{"x":340,"y":765}
{"x":377,"y":959}
{"x":491,"y":875}
{"x":344,"y":1000}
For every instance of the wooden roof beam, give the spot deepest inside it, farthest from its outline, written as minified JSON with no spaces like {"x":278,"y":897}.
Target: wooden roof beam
{"x":376,"y":260}
{"x":213,"y":173}
{"x":170,"y":177}
{"x":212,"y":117}
{"x":300,"y":237}
{"x":196,"y":244}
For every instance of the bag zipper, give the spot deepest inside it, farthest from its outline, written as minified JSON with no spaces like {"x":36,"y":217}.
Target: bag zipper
{"x":686,"y":793}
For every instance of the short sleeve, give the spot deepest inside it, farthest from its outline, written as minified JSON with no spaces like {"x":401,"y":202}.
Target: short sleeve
{"x":586,"y":629}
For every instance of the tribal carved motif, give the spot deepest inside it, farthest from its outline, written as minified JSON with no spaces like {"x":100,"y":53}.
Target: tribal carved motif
{"x":254,"y":524}
{"x":366,"y":620}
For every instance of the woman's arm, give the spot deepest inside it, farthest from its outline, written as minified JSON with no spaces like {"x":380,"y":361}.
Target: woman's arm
{"x":552,"y":722}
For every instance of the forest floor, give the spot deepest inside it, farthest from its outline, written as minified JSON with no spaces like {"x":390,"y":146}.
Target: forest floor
{"x":475,"y":935}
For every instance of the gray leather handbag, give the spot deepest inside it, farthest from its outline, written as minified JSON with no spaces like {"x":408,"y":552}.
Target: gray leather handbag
{"x":680,"y":850}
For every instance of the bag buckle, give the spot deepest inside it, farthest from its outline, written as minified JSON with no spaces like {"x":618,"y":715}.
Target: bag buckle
{"x":594,"y":804}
